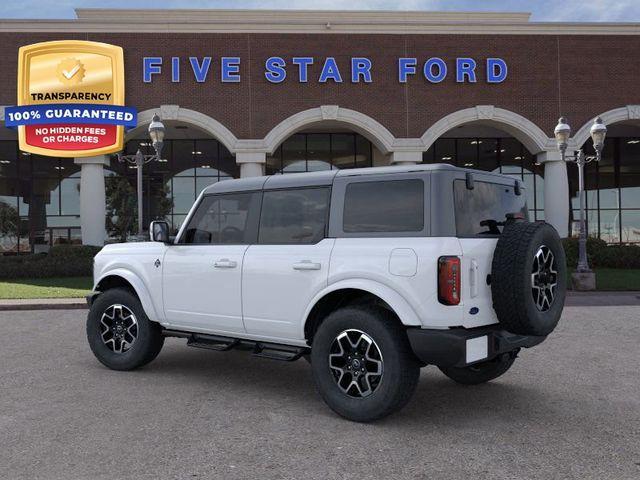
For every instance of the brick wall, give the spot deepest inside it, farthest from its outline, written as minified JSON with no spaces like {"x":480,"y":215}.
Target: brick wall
{"x":578,"y":76}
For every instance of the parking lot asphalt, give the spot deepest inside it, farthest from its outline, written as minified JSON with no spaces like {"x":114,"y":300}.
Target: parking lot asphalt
{"x":569,"y":408}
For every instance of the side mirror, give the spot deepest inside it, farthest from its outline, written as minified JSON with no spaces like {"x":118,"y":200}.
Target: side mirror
{"x":159,"y":231}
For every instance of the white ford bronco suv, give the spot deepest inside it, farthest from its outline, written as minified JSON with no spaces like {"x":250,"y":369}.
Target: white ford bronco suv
{"x":370,"y":274}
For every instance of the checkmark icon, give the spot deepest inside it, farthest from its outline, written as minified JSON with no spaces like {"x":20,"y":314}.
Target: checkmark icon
{"x":71,"y":73}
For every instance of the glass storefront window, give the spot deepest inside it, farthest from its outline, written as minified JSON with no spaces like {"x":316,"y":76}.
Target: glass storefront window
{"x":364,"y":152}
{"x":610,"y":226}
{"x":294,"y":154}
{"x":203,"y":182}
{"x":274,"y":162}
{"x":630,"y":224}
{"x":511,"y":156}
{"x":8,"y":159}
{"x":306,"y":152}
{"x":629,"y":172}
{"x":70,"y":196}
{"x":318,"y":151}
{"x":445,"y":151}
{"x":467,"y":152}
{"x":343,"y":150}
{"x":487,"y":158}
{"x":45,"y":191}
{"x":182,"y":159}
{"x":184,"y":192}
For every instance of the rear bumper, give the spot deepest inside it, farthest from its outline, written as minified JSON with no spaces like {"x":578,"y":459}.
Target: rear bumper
{"x":459,"y":347}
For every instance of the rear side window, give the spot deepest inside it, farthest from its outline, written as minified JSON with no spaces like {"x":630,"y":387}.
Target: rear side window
{"x":384,"y":206}
{"x":483,"y":210}
{"x":230,"y":218}
{"x":295,"y":216}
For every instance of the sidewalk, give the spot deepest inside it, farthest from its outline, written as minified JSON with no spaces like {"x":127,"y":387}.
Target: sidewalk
{"x":43,"y":304}
{"x":602,"y":299}
{"x":574,"y":299}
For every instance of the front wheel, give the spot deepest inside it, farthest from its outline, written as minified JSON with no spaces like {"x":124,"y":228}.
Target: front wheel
{"x":480,"y":372}
{"x":362,"y":363}
{"x":120,"y":334}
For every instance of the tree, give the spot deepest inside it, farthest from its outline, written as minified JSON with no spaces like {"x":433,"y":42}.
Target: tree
{"x":9,"y":222}
{"x":122,"y":215}
{"x":122,"y":206}
{"x":162,"y":201}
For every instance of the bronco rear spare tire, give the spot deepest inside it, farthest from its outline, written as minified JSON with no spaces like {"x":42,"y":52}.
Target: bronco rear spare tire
{"x":529,"y":278}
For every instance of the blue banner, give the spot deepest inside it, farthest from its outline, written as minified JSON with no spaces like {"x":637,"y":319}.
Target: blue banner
{"x":70,"y":113}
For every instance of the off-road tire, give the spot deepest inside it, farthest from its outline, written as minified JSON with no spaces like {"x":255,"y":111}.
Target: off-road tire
{"x":400,"y":368}
{"x":511,"y":278}
{"x":480,"y":372}
{"x":147,"y":344}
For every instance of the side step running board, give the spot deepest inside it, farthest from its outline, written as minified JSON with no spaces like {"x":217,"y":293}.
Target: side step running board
{"x":273,"y":351}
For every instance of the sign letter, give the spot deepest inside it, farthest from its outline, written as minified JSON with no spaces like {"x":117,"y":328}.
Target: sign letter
{"x":496,"y":70}
{"x":200,"y":71}
{"x":303,"y":64}
{"x":330,"y":71}
{"x":428,"y":70}
{"x":406,"y":66}
{"x":360,"y":67}
{"x":275,"y":69}
{"x":151,"y":66}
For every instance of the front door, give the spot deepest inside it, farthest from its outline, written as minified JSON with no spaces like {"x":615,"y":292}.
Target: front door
{"x":202,"y":273}
{"x":290,"y":263}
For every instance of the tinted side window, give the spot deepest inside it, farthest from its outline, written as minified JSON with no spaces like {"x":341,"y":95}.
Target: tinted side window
{"x":296,"y":216}
{"x":224,"y":219}
{"x":483,"y":210}
{"x":386,"y":206}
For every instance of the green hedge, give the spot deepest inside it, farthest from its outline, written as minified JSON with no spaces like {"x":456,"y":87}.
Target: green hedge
{"x":61,"y":261}
{"x":601,"y":255}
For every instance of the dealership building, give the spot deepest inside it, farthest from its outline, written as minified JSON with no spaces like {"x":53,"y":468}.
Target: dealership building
{"x":246,"y":93}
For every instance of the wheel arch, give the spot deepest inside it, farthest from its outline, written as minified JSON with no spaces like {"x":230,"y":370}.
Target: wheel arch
{"x":352,"y":292}
{"x":121,"y":278}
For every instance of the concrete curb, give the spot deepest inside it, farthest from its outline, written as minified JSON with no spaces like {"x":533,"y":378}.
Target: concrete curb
{"x":43,"y":304}
{"x":602,"y":299}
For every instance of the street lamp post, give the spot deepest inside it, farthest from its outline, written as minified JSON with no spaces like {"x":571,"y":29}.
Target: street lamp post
{"x":562,"y":133}
{"x":156,"y":133}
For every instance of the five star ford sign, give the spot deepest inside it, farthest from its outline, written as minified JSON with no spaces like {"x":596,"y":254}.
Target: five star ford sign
{"x":70,"y":99}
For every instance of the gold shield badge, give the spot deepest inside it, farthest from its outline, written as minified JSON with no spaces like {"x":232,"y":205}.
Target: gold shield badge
{"x":72,"y":89}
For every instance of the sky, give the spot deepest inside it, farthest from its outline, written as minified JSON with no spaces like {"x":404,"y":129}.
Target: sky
{"x":542,"y":10}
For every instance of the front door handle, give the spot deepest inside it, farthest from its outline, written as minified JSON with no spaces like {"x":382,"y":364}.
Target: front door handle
{"x":307,"y":265}
{"x":225,"y":263}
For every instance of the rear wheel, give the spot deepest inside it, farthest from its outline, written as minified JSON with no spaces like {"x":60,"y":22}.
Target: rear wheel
{"x":480,"y":372}
{"x":362,"y":363}
{"x":120,"y":334}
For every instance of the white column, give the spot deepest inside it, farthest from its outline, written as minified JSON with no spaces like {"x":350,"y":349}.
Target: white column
{"x":405,"y":158}
{"x":251,"y":163}
{"x":93,"y":208}
{"x":556,"y":191}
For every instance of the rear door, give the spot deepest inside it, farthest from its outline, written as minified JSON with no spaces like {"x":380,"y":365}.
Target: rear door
{"x":202,"y":273}
{"x":480,"y":214}
{"x":290,"y":263}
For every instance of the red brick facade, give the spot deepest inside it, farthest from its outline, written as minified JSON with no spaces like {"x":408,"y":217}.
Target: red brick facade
{"x":578,"y":76}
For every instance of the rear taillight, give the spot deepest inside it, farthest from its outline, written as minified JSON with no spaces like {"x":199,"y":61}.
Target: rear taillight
{"x":449,"y":280}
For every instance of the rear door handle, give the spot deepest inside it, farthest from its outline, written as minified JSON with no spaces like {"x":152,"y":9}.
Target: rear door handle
{"x":307,"y":265}
{"x":225,"y":263}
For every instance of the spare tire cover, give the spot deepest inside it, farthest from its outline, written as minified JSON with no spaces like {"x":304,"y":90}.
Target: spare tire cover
{"x":529,"y":278}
